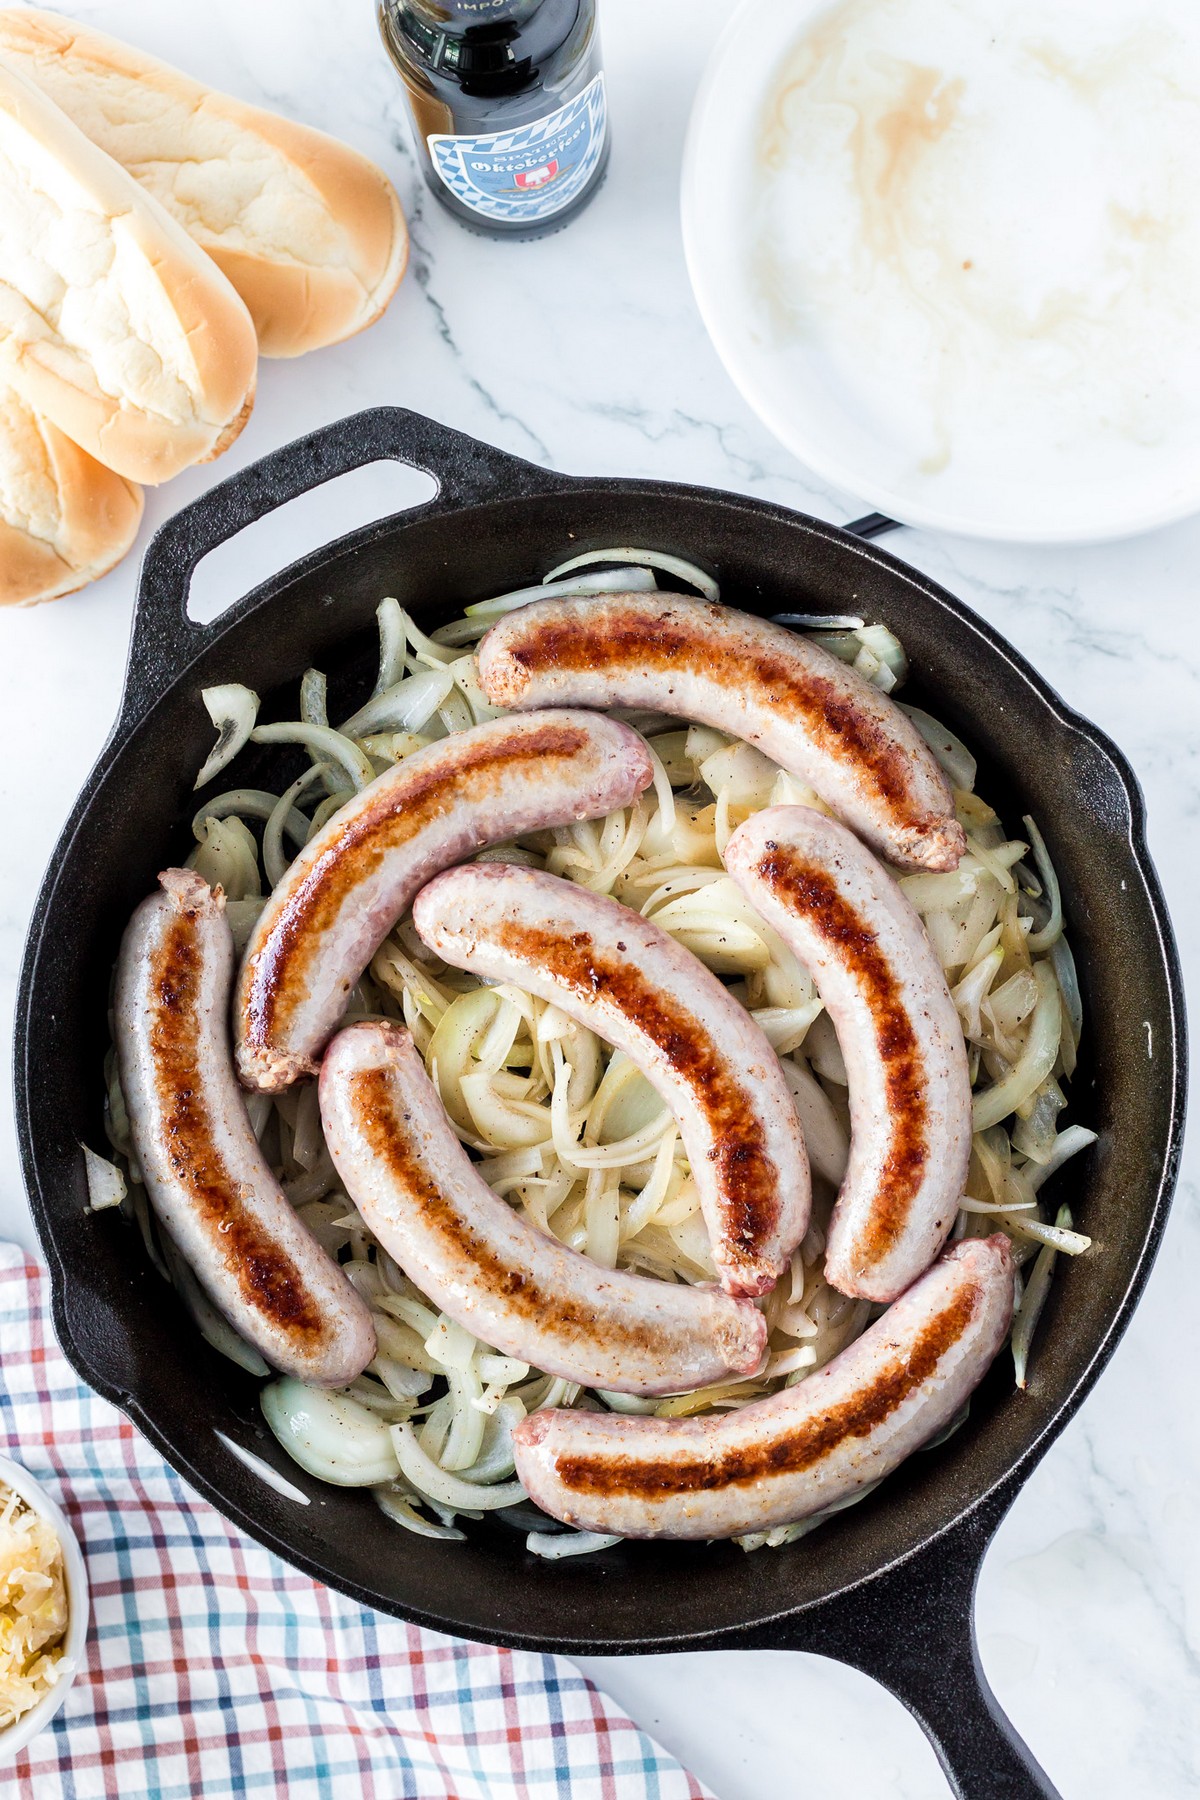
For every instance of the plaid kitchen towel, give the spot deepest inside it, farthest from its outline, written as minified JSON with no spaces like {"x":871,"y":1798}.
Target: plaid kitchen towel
{"x":214,"y":1670}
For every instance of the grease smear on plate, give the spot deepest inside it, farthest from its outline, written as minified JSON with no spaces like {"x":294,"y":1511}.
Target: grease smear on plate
{"x":987,"y":221}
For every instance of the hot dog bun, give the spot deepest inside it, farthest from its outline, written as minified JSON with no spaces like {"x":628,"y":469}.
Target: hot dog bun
{"x":113,"y":323}
{"x":309,"y":232}
{"x":65,"y":519}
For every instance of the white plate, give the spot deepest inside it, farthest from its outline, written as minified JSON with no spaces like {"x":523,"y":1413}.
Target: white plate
{"x":985,"y":298}
{"x":16,"y":1736}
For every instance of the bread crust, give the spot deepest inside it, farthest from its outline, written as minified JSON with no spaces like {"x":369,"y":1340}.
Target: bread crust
{"x":159,"y":270}
{"x":65,"y":519}
{"x":300,"y":296}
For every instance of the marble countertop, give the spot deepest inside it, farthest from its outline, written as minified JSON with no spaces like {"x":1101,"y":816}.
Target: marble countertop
{"x":583,"y":351}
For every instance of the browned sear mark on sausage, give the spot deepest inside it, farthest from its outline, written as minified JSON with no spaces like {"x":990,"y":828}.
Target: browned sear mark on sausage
{"x":280,"y":973}
{"x":267,"y":1277}
{"x":814,"y":893}
{"x":744,"y":1168}
{"x":685,"y":643}
{"x":400,"y":1149}
{"x":796,"y":1447}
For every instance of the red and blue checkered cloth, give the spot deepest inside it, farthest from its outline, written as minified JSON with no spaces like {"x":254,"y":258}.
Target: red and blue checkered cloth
{"x":214,"y":1670}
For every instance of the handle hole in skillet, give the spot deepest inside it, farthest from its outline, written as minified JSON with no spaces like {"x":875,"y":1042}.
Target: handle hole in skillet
{"x":309,"y":522}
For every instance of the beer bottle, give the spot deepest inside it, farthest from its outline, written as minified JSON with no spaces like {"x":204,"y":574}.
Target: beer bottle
{"x":508,"y":106}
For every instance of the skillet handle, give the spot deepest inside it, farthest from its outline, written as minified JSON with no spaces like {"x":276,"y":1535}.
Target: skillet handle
{"x":164,"y":640}
{"x":913,"y":1630}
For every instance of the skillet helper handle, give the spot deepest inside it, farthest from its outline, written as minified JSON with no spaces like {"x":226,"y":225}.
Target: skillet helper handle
{"x":913,"y":1630}
{"x":467,"y":472}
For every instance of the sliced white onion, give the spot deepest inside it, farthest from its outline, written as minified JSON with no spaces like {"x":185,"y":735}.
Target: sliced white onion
{"x":637,"y":581}
{"x":233,"y":710}
{"x":249,"y":803}
{"x":1033,"y":1300}
{"x":313,"y":689}
{"x":787,"y":1362}
{"x":819,"y":621}
{"x":503,"y":1371}
{"x":967,"y":1205}
{"x":497,"y":1458}
{"x":450,"y":1345}
{"x":663,"y":791}
{"x":786,"y":1027}
{"x":400,"y":1508}
{"x":324,"y":742}
{"x":645,"y":559}
{"x":429,"y":1478}
{"x":330,"y":1435}
{"x":1036,"y":1061}
{"x":1067,"y":1144}
{"x":1073,"y":1242}
{"x":105,"y":1182}
{"x":227,"y":857}
{"x":286,"y":816}
{"x":633,"y":1404}
{"x":392,"y":642}
{"x":263,"y":1470}
{"x":949,"y":751}
{"x":553,"y":1544}
{"x":1051,"y":931}
{"x":406,"y":706}
{"x":882,"y":658}
{"x":824,"y":1134}
{"x":823,"y":1051}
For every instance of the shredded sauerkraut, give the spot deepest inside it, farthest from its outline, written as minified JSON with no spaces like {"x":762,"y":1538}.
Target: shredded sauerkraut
{"x":33,"y":1607}
{"x":570,"y":1132}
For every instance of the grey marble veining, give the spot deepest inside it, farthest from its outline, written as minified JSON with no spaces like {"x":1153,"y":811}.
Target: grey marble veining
{"x":584,"y":351}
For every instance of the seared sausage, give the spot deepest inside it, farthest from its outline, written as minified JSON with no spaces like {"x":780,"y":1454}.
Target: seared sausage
{"x":625,"y":979}
{"x":809,"y":712}
{"x":346,"y":889}
{"x":800,"y":1451}
{"x":906,"y":1060}
{"x":513,"y":1286}
{"x":206,"y":1176}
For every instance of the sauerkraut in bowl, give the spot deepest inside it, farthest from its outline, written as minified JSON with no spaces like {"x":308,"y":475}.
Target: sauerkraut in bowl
{"x":569,"y":1131}
{"x":43,"y":1608}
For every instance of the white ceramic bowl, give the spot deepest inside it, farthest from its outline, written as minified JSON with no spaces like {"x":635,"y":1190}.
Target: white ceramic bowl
{"x":813,"y":380}
{"x":17,"y":1735}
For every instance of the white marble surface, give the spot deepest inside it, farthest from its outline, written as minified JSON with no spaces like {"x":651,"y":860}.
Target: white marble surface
{"x":584,"y":351}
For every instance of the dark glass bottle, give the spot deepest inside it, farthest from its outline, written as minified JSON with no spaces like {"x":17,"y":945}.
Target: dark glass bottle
{"x":508,"y":106}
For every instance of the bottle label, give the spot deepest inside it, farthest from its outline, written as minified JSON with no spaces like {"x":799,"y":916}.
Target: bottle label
{"x":534,"y":170}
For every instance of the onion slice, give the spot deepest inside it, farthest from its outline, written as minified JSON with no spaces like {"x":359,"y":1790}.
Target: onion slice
{"x":233,"y":710}
{"x":644,"y":559}
{"x":1035,"y":1062}
{"x":1033,"y":1300}
{"x":819,"y":621}
{"x":105,"y":1182}
{"x":639,"y":581}
{"x":325,"y":742}
{"x":405,"y":706}
{"x":330,"y":1435}
{"x":553,"y":1544}
{"x":429,"y":1478}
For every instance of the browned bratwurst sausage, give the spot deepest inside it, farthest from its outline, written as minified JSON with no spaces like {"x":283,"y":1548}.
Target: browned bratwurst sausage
{"x":798,"y":1452}
{"x":512,"y":1286}
{"x":206,"y":1176}
{"x":811,"y":713}
{"x":906,"y":1059}
{"x":625,"y":979}
{"x":346,"y":889}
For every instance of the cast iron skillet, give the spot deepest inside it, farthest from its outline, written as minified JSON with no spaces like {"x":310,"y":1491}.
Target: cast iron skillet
{"x":886,"y":1586}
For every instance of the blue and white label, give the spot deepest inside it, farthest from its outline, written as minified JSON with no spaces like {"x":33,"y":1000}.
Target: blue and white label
{"x":533,"y":171}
